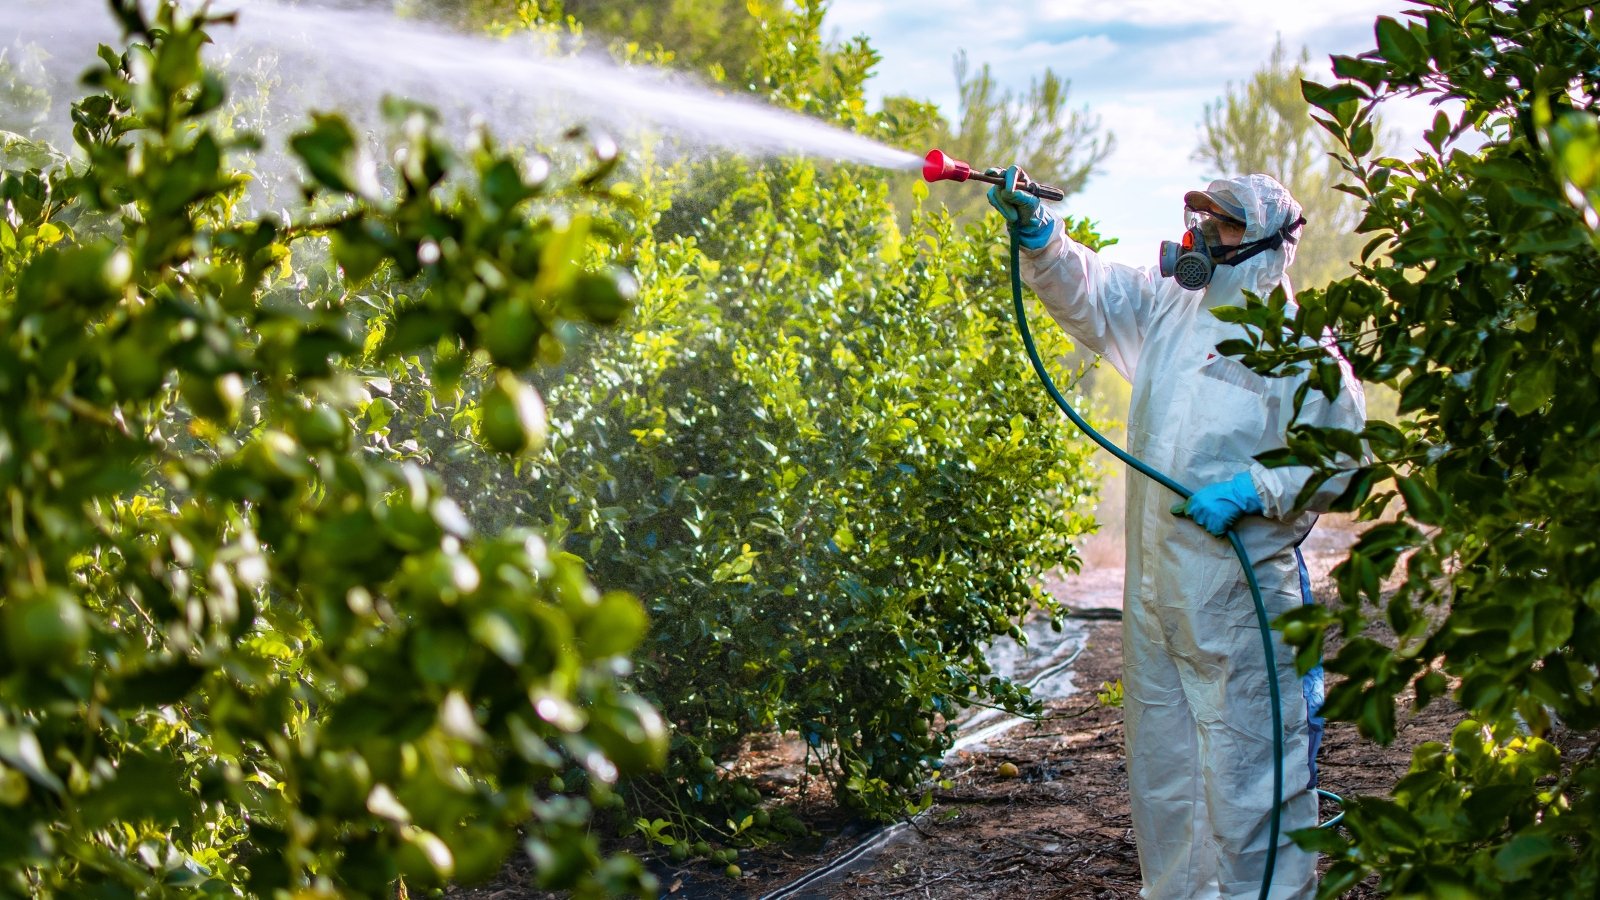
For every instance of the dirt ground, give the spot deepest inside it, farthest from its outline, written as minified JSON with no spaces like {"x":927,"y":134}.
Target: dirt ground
{"x":1059,"y":829}
{"x":1056,"y":828}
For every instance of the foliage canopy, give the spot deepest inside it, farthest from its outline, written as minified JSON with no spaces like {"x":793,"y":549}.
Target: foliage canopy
{"x":1477,"y":300}
{"x":241,"y":651}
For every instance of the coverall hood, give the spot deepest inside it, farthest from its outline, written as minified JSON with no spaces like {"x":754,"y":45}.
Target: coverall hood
{"x":1267,"y":206}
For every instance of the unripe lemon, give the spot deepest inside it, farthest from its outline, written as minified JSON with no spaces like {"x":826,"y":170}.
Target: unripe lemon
{"x":511,"y":335}
{"x":632,"y":735}
{"x":322,"y":427}
{"x":424,"y":858}
{"x":512,"y":416}
{"x":136,"y":371}
{"x":45,"y":628}
{"x":13,"y":786}
{"x":219,"y":399}
{"x":1296,"y":633}
{"x":604,"y":296}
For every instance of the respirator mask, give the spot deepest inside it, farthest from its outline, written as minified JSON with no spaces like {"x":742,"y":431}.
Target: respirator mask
{"x":1194,"y":260}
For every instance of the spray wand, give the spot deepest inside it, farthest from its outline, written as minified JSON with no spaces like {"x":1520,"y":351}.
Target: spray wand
{"x":939,"y":167}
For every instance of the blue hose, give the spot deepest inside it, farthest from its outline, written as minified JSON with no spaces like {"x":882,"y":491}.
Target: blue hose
{"x":1167,"y":482}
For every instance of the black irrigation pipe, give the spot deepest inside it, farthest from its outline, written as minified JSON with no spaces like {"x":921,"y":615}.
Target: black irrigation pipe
{"x":1096,"y":613}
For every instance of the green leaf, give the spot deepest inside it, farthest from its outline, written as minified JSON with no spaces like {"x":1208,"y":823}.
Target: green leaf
{"x":504,"y":186}
{"x":1399,"y":46}
{"x":1361,"y":139}
{"x":1360,"y":69}
{"x":418,"y":327}
{"x":614,"y":626}
{"x":499,"y":632}
{"x":128,"y":797}
{"x":20,"y":749}
{"x":1532,"y":389}
{"x":332,"y":156}
{"x":1422,"y":501}
{"x":1330,"y":98}
{"x":1430,"y":687}
{"x":358,"y":252}
{"x":1439,"y":133}
{"x":1525,"y":854}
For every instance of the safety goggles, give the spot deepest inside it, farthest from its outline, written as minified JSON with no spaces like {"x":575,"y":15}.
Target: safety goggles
{"x":1209,"y":223}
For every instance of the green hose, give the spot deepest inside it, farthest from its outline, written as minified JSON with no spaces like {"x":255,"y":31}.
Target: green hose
{"x":1233,"y":538}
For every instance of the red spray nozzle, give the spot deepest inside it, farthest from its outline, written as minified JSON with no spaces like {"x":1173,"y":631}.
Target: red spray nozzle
{"x":937,"y":166}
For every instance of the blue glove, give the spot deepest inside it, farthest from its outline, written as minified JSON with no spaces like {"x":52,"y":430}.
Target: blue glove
{"x":1216,"y":507}
{"x":1024,"y":211}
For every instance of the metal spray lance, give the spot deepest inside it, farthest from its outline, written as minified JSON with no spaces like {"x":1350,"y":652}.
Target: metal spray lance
{"x":937,"y":166}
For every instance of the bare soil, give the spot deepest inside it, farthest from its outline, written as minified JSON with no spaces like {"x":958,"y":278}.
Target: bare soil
{"x":1059,"y":829}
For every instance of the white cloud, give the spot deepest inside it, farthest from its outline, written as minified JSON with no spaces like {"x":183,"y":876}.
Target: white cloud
{"x":1082,"y":51}
{"x":1277,"y":15}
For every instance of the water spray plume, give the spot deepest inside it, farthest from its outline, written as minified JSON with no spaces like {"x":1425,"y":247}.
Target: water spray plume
{"x":346,"y":57}
{"x":940,"y":166}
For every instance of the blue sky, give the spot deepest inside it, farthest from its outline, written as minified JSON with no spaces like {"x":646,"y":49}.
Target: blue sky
{"x":1146,"y":67}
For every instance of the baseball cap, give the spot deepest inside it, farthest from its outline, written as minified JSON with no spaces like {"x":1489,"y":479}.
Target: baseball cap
{"x":1219,"y":203}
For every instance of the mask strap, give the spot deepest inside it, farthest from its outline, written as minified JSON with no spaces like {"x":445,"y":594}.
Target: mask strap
{"x":1272,"y":242}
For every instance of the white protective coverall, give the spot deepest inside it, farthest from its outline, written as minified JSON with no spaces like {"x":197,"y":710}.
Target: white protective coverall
{"x":1198,"y":712}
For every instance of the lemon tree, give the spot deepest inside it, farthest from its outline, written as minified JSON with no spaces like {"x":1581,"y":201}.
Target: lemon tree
{"x":246,"y":650}
{"x":1475,"y":302}
{"x":813,"y":450}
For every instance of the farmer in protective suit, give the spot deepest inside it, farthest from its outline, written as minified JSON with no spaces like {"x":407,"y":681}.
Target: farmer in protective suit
{"x":1198,"y":712}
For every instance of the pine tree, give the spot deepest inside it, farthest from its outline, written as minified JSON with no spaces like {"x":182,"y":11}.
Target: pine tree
{"x":1265,"y":126}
